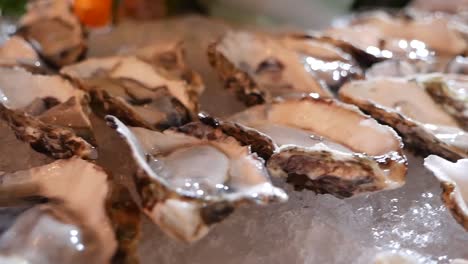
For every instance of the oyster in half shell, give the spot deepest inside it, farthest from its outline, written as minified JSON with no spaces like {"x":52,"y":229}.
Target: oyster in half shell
{"x":54,"y":31}
{"x":412,"y":107}
{"x":383,"y":36}
{"x":194,"y":176}
{"x":46,"y":111}
{"x":328,"y":61}
{"x":18,"y":52}
{"x":454,"y":183}
{"x":78,"y":224}
{"x":171,"y":58}
{"x":259,"y":67}
{"x":322,"y":145}
{"x":137,"y":92}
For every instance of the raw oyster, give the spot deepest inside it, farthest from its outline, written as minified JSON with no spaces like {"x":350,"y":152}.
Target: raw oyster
{"x":451,"y":92}
{"x":407,"y":106}
{"x":324,"y":58}
{"x":171,"y":57}
{"x":322,"y":145}
{"x":54,"y":31}
{"x":19,"y":89}
{"x":454,"y":183}
{"x":46,"y":111}
{"x":258,"y":67}
{"x":194,"y":176}
{"x":458,"y":65}
{"x":136,"y":91}
{"x":84,"y":208}
{"x":403,"y":37}
{"x":18,"y":52}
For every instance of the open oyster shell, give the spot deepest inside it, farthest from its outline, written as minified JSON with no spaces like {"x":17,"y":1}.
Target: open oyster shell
{"x":46,"y":111}
{"x":406,"y":105}
{"x":171,"y":58}
{"x":81,"y":210}
{"x":322,"y":145}
{"x":259,"y":67}
{"x":178,"y":192}
{"x":454,"y":183}
{"x":18,"y":52}
{"x":383,"y":36}
{"x":54,"y":31}
{"x":138,"y":92}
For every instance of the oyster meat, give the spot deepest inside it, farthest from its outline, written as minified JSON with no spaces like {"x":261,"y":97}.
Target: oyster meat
{"x":136,"y":91}
{"x":46,"y":111}
{"x":325,"y":59}
{"x":383,"y":36}
{"x":54,"y":31}
{"x":418,"y":109}
{"x":194,"y":176}
{"x":171,"y":58}
{"x":84,"y":214}
{"x":259,"y":67}
{"x":79,"y":189}
{"x":322,"y":145}
{"x":18,"y":52}
{"x":454,"y":183}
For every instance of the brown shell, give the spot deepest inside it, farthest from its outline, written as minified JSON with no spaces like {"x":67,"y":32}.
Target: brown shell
{"x":416,"y":138}
{"x":234,"y":79}
{"x":447,"y":192}
{"x":332,"y":175}
{"x":54,"y":141}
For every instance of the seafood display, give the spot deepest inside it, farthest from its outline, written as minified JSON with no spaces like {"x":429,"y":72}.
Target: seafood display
{"x":420,"y":108}
{"x":322,"y":145}
{"x":91,"y":144}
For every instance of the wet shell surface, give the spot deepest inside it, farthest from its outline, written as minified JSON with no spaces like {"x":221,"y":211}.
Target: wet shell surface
{"x":54,"y":32}
{"x":177,"y":190}
{"x":420,"y":108}
{"x":138,"y":92}
{"x":80,"y":210}
{"x":453,"y":177}
{"x":48,"y":112}
{"x":402,"y":37}
{"x":259,"y":67}
{"x":322,"y":145}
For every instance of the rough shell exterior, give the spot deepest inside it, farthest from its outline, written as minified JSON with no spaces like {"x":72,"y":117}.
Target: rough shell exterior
{"x":334,"y":173}
{"x":55,"y":141}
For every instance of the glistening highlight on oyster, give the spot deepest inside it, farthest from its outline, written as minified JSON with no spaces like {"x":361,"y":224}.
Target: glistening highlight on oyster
{"x":259,"y":67}
{"x":384,"y":36}
{"x":194,"y":176}
{"x":80,"y":223}
{"x":48,"y":112}
{"x":418,"y":109}
{"x":322,"y":145}
{"x":453,"y":177}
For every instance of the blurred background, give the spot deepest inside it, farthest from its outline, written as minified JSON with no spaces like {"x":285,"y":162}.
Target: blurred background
{"x":297,"y":13}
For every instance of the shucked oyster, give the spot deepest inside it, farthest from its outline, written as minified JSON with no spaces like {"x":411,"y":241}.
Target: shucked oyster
{"x":136,"y":91}
{"x":18,"y":52}
{"x":407,"y":106}
{"x":383,"y":36}
{"x":454,"y":182}
{"x":322,"y":145}
{"x":53,"y":30}
{"x":323,"y":58}
{"x":193,"y":177}
{"x":78,"y":224}
{"x":171,"y":58}
{"x":258,"y":67}
{"x":47,"y":112}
